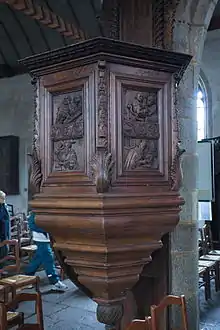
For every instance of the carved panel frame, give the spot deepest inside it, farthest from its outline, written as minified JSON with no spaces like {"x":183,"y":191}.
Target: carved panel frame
{"x":48,"y":89}
{"x":121,"y":77}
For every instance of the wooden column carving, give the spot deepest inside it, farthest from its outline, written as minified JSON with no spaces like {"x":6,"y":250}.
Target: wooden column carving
{"x":110,"y":161}
{"x":163,"y":19}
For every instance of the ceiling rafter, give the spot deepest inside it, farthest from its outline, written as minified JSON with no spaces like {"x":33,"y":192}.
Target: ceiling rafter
{"x":47,"y":17}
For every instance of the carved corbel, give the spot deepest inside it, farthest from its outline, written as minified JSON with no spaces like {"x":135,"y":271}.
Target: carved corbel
{"x":101,"y":169}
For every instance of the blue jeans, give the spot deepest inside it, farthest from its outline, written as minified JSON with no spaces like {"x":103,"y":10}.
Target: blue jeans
{"x":43,"y":256}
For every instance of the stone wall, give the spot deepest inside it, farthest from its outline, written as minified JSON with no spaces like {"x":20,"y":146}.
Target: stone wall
{"x":190,"y":31}
{"x":210,"y":75}
{"x":16,"y":107}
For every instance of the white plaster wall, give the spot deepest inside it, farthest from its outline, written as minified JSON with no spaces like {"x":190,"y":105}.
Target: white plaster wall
{"x":211,"y":69}
{"x":16,"y":107}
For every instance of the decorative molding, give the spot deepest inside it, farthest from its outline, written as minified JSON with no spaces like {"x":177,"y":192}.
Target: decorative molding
{"x":80,"y":54}
{"x":47,"y":18}
{"x":101,"y":168}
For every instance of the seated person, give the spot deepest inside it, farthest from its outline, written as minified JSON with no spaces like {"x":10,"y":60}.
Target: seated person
{"x":43,"y":256}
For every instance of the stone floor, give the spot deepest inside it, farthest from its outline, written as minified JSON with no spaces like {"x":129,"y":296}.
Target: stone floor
{"x":210,"y":311}
{"x":72,"y":310}
{"x":67,"y":311}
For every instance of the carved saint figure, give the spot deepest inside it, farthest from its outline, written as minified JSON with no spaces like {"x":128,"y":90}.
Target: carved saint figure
{"x":65,"y":156}
{"x":70,"y":110}
{"x":143,"y":106}
{"x":143,"y":155}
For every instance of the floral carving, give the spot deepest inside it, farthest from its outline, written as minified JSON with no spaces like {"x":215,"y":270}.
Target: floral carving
{"x":140,"y":130}
{"x":101,"y":169}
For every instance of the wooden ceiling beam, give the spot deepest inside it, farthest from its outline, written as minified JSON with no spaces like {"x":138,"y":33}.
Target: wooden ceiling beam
{"x":47,"y":18}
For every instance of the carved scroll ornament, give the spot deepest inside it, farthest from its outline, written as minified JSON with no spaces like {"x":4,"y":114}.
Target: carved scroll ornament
{"x":101,"y":170}
{"x":36,"y":175}
{"x":176,"y":169}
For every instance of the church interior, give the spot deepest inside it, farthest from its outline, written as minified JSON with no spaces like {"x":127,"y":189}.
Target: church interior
{"x":109,"y":135}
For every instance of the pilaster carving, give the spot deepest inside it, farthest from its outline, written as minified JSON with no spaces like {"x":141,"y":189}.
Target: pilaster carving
{"x":110,"y":19}
{"x":35,"y":174}
{"x":110,"y":315}
{"x":101,"y":169}
{"x":158,"y":23}
{"x":102,"y":104}
{"x":163,"y":22}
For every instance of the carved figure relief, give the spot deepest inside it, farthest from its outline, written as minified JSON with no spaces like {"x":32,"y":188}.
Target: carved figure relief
{"x":140,"y":130}
{"x":67,"y":132}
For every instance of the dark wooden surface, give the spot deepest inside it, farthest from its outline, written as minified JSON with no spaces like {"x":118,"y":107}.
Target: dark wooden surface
{"x":109,"y":154}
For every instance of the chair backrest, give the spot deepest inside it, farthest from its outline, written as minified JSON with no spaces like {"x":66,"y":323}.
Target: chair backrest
{"x":22,"y":297}
{"x":10,"y":259}
{"x":10,"y":209}
{"x":208,"y":237}
{"x":140,"y":324}
{"x":157,"y":311}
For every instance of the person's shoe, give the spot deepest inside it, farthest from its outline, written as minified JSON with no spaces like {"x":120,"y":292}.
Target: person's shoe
{"x":59,"y":286}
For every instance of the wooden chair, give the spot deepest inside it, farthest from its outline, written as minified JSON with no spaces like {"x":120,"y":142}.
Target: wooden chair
{"x":10,"y":319}
{"x":140,"y":324}
{"x":208,"y":241}
{"x":204,"y":281}
{"x":170,"y":300}
{"x":11,"y":264}
{"x":206,"y":259}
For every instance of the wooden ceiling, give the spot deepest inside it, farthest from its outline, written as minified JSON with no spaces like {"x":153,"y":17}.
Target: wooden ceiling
{"x":23,"y":35}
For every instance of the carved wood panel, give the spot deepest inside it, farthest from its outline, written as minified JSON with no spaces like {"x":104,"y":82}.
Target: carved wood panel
{"x":67,"y":123}
{"x":67,"y":132}
{"x":140,"y":129}
{"x":140,"y":120}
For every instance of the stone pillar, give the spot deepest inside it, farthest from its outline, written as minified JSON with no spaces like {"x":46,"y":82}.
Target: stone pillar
{"x":184,"y":250}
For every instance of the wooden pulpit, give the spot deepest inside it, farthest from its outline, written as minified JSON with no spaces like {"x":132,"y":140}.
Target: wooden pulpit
{"x":106,"y":145}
